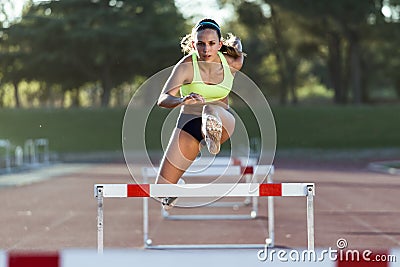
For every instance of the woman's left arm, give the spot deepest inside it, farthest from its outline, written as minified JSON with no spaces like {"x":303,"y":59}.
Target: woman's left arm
{"x":236,"y":63}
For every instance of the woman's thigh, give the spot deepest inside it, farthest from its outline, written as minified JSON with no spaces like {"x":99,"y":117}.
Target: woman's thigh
{"x":179,"y":155}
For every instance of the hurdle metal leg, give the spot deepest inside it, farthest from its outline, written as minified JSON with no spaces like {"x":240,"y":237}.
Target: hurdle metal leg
{"x":248,"y":200}
{"x":146,"y":240}
{"x":310,"y":216}
{"x":253,"y":200}
{"x":271,"y":216}
{"x":100,"y":217}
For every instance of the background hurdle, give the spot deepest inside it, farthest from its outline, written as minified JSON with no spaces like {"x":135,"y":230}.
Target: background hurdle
{"x":7,"y":162}
{"x":200,"y":190}
{"x":250,"y":174}
{"x":215,"y":171}
{"x":221,"y":161}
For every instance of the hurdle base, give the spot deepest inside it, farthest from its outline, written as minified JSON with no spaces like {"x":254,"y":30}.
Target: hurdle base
{"x":251,"y":216}
{"x":224,"y":204}
{"x":198,"y":217}
{"x":208,"y":246}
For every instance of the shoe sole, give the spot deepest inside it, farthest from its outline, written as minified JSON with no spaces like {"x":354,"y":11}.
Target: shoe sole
{"x":212,"y":130}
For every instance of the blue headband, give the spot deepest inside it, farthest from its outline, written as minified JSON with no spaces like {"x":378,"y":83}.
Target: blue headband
{"x":208,"y":23}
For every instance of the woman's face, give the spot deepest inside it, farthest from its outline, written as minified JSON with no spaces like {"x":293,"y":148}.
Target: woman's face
{"x":207,"y":44}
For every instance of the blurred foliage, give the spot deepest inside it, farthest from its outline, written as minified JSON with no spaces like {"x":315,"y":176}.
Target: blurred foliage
{"x":71,"y":43}
{"x":96,"y":52}
{"x":349,"y":46}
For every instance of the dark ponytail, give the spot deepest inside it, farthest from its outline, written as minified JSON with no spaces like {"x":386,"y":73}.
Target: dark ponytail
{"x":229,"y":46}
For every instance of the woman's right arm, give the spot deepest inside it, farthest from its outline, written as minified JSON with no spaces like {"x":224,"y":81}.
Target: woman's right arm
{"x":179,"y":76}
{"x":168,"y":98}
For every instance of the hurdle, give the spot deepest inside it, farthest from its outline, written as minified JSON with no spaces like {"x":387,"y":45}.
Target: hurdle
{"x":203,"y":190}
{"x":4,"y":143}
{"x":44,"y":144}
{"x":199,"y":170}
{"x":29,"y":152}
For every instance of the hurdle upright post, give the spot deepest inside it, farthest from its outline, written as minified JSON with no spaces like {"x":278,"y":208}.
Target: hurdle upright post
{"x":271,"y":216}
{"x":146,"y":239}
{"x":310,"y":216}
{"x":100,"y":217}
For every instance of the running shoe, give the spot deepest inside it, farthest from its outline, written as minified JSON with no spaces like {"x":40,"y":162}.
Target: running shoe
{"x":169,"y":202}
{"x":212,"y":131}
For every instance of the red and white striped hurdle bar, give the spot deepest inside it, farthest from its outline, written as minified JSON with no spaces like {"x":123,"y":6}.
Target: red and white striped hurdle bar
{"x":205,"y":190}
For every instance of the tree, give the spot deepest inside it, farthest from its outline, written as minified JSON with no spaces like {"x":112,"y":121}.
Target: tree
{"x":272,"y":31}
{"x":7,"y":8}
{"x":384,"y":48}
{"x":344,"y":26}
{"x":74,"y":42}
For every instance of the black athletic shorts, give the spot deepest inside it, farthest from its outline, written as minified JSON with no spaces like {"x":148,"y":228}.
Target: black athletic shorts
{"x":190,"y":124}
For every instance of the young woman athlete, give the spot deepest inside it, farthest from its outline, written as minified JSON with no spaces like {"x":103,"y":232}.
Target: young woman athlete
{"x":200,"y":84}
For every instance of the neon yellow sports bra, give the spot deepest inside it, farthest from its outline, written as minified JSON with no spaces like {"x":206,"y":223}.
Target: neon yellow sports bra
{"x":210,"y":92}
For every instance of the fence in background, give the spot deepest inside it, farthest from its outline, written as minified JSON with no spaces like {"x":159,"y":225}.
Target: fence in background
{"x":33,"y":153}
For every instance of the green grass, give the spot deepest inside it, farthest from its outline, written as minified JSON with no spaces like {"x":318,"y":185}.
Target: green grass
{"x":335,"y":127}
{"x":90,"y":130}
{"x":68,"y":130}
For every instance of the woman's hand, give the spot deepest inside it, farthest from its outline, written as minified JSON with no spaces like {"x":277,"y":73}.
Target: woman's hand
{"x":237,"y":43}
{"x":192,"y":99}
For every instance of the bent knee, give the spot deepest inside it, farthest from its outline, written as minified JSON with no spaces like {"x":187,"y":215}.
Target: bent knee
{"x":208,"y":109}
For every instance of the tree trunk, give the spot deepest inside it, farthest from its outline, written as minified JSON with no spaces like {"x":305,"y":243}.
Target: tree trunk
{"x":355,"y":66}
{"x":364,"y":81}
{"x":1,"y":97}
{"x":94,"y":95}
{"x":281,"y":50}
{"x":292,"y":82}
{"x":335,"y":67}
{"x":62,"y":101}
{"x":295,"y":99}
{"x":107,"y":86}
{"x":283,"y":92}
{"x":75,"y":98}
{"x":397,"y":87}
{"x":16,"y":94}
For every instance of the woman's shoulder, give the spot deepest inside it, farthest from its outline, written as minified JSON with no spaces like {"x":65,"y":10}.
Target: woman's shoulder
{"x":186,"y":59}
{"x":185,"y":62}
{"x":184,"y":69}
